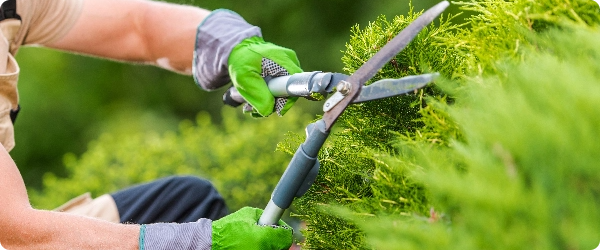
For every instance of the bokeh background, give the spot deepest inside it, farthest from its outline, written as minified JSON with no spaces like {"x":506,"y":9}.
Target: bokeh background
{"x":69,"y":100}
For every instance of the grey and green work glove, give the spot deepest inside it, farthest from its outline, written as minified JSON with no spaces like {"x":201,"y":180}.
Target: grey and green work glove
{"x":228,"y":49}
{"x":235,"y":231}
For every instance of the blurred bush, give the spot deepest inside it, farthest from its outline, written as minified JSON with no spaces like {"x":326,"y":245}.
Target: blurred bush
{"x":238,"y":156}
{"x":67,"y":99}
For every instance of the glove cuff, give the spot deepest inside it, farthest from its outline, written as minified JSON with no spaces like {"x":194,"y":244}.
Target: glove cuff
{"x":216,"y":36}
{"x":195,"y":235}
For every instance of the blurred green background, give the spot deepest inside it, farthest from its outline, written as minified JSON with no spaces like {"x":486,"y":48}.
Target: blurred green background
{"x":68,"y":100}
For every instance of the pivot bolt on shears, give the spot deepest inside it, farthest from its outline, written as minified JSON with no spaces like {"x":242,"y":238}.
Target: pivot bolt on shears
{"x":304,"y":166}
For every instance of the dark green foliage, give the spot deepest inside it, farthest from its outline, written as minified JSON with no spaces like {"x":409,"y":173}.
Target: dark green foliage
{"x":67,"y":101}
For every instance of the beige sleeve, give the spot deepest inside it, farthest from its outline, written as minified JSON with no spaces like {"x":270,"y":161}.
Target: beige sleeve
{"x":103,"y":207}
{"x":9,"y":75}
{"x":45,"y":21}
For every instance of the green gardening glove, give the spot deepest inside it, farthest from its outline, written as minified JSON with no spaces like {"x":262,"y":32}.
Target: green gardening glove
{"x":252,"y":60}
{"x":241,"y":231}
{"x":228,"y":49}
{"x":235,"y":231}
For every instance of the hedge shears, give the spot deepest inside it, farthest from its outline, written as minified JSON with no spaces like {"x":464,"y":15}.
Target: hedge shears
{"x":304,"y":166}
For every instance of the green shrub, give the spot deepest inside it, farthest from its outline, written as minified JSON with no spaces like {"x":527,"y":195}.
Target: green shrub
{"x":383,"y":165}
{"x":526,"y":175}
{"x":238,"y":156}
{"x":352,"y":174}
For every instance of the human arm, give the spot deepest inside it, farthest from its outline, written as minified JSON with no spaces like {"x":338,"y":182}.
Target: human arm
{"x":141,"y":31}
{"x":168,"y":35}
{"x":23,"y":227}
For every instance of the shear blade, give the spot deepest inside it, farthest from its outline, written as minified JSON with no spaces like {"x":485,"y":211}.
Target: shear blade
{"x":377,"y":61}
{"x":393,"y":87}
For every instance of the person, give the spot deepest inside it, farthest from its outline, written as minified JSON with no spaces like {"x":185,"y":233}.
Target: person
{"x":215,"y":47}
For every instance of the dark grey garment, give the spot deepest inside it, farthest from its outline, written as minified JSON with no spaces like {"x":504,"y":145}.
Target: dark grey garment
{"x":172,"y":199}
{"x":173,"y":236}
{"x":217,"y":35}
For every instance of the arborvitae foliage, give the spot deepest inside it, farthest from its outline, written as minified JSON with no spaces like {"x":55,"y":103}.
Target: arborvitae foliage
{"x":384,"y":162}
{"x":498,"y":29}
{"x":351,"y":173}
{"x":530,"y":159}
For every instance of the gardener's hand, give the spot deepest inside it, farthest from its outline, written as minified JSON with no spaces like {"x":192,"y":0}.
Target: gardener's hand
{"x":241,"y":231}
{"x":235,"y":231}
{"x":228,"y":49}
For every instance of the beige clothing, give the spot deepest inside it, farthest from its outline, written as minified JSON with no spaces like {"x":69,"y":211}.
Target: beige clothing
{"x":103,"y":207}
{"x":43,"y":22}
{"x":9,"y":75}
